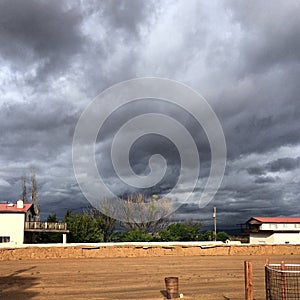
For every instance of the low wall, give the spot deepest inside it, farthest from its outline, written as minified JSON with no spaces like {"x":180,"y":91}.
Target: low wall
{"x":89,"y":251}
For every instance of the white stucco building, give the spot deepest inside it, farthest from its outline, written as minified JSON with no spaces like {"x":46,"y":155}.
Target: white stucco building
{"x":12,"y":220}
{"x":278,"y":230}
{"x":18,"y":225}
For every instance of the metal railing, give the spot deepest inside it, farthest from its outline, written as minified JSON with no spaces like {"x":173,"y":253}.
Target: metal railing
{"x":45,"y":226}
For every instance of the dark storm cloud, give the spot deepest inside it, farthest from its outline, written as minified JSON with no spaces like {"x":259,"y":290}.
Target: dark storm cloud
{"x":48,"y":37}
{"x":30,"y":130}
{"x":284,"y":164}
{"x":125,"y":16}
{"x":114,"y":30}
{"x":46,"y":33}
{"x":148,"y":145}
{"x":243,"y":57}
{"x":265,"y":179}
{"x":256,"y":171}
{"x":270,"y":31}
{"x":264,"y":122}
{"x":281,"y":164}
{"x":262,"y":108}
{"x":245,"y":138}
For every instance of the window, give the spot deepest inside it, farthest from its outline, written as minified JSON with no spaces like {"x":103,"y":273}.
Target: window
{"x":4,"y":239}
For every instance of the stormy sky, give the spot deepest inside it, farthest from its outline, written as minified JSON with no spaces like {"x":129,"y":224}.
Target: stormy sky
{"x":242,"y":57}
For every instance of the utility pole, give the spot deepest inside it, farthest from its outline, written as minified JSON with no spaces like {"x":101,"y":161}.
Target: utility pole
{"x":215,"y":223}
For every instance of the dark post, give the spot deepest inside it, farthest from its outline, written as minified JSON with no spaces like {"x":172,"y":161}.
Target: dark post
{"x":267,"y":280}
{"x":172,"y":287}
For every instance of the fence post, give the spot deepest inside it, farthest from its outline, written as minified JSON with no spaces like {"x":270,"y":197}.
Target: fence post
{"x":267,"y":280}
{"x":248,"y":280}
{"x":283,"y":281}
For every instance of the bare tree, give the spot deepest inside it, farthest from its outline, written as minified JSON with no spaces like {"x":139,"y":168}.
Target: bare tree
{"x":34,"y":199}
{"x":150,"y":214}
{"x":24,"y":192}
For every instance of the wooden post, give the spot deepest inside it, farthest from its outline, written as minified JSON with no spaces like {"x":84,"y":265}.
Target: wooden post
{"x":267,"y":279}
{"x":248,"y":280}
{"x":283,"y":281}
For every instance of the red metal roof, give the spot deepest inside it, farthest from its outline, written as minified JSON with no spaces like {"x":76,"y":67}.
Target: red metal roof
{"x":276,"y":220}
{"x":8,"y":207}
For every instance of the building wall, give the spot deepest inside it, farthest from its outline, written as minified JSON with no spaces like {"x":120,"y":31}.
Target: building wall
{"x":275,"y":238}
{"x":261,"y":238}
{"x":280,"y":226}
{"x":287,"y":238}
{"x":12,"y":225}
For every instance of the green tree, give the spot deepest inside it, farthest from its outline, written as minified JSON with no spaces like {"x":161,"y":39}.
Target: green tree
{"x":135,"y":235}
{"x":106,"y":224}
{"x":222,"y":236}
{"x":189,"y":231}
{"x":83,"y":228}
{"x":208,"y":236}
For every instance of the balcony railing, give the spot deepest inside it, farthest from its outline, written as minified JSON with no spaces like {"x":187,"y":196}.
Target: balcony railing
{"x":46,"y":226}
{"x":251,"y":230}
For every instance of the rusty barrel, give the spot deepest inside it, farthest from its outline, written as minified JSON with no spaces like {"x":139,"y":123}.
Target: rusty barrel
{"x":172,"y":287}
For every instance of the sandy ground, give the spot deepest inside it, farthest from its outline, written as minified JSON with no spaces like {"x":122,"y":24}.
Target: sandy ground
{"x":200,"y":277}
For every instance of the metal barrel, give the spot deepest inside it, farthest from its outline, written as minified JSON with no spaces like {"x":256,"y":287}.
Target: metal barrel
{"x":172,"y":287}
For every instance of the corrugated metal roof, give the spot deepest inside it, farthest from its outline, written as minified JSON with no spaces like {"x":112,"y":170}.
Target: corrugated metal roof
{"x":275,"y":220}
{"x":8,"y":207}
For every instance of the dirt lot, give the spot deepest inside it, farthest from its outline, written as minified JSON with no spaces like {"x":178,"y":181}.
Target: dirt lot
{"x":200,"y":277}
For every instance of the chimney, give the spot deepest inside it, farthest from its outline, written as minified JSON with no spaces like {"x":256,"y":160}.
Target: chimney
{"x":20,"y":204}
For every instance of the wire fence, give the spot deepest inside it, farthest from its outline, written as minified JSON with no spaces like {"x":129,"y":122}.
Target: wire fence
{"x":282,"y":281}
